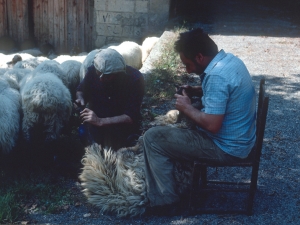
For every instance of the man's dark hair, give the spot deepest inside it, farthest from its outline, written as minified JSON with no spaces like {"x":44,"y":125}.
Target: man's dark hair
{"x":196,"y":41}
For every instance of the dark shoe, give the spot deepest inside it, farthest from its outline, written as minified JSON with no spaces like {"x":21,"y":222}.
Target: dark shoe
{"x":174,"y":209}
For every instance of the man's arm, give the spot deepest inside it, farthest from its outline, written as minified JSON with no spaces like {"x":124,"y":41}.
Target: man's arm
{"x":88,"y":116}
{"x":209,"y":122}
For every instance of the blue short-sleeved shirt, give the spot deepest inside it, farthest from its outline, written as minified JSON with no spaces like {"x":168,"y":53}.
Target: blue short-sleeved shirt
{"x":228,"y":90}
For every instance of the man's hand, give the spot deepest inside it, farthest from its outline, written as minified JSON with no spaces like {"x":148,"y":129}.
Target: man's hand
{"x":183,"y":102}
{"x":88,"y":116}
{"x":209,"y":122}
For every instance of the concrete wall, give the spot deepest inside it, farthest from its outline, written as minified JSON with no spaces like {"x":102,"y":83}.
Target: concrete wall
{"x":120,"y":20}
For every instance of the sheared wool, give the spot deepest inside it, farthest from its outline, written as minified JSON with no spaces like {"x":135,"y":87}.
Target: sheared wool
{"x":115,"y":180}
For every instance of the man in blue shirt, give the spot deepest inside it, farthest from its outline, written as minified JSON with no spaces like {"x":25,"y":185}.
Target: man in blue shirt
{"x":114,"y":93}
{"x":225,"y":125}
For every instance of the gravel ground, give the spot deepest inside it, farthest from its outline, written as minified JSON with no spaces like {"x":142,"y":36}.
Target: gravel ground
{"x":267,"y":40}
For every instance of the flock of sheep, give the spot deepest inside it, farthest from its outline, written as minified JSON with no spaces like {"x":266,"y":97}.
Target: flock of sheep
{"x":36,"y":93}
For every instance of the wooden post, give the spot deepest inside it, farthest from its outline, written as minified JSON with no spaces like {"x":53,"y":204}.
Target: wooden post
{"x":3,"y":18}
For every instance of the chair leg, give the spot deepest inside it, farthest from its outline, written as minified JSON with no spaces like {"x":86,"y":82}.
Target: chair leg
{"x":253,"y":187}
{"x":203,"y":176}
{"x":194,"y":188}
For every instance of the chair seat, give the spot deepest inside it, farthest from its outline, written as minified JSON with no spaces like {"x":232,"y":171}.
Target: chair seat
{"x":241,"y":162}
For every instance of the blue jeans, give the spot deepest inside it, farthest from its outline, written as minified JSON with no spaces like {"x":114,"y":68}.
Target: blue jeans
{"x":163,"y":145}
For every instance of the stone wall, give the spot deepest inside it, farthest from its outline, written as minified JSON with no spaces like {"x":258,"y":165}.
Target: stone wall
{"x":120,"y":20}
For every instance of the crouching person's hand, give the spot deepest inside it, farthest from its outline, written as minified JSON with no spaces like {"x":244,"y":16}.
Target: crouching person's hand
{"x":88,"y":116}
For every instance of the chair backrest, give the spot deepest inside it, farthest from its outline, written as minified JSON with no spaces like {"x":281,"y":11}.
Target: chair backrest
{"x":261,"y":117}
{"x":261,"y":94}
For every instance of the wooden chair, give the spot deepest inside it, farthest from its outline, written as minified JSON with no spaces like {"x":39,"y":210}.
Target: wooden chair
{"x":201,"y":185}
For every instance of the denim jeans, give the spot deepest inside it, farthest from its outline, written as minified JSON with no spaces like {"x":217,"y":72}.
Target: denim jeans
{"x":163,"y":145}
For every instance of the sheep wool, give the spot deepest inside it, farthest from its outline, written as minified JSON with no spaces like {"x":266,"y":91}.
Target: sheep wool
{"x":114,"y":181}
{"x":14,"y":76}
{"x":10,"y":102}
{"x":46,"y":102}
{"x":3,"y":71}
{"x":51,"y":66}
{"x":3,"y":60}
{"x":23,"y":55}
{"x":72,"y":69}
{"x":131,"y":52}
{"x":62,"y":58}
{"x":147,"y":46}
{"x":31,"y":64}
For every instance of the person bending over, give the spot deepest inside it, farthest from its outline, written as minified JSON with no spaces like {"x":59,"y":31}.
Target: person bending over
{"x":114,"y":93}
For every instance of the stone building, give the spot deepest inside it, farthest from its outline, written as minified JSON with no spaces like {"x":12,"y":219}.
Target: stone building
{"x":81,"y":25}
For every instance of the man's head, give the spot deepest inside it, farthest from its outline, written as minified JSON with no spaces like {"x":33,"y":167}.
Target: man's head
{"x":108,"y":63}
{"x":196,"y":50}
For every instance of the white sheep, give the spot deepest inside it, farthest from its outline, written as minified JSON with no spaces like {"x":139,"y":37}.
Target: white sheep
{"x":72,"y":69}
{"x":3,"y":71}
{"x":12,"y":81}
{"x":25,"y":79}
{"x":32,"y":51}
{"x":10,"y":103}
{"x":3,"y":60}
{"x":31,"y":63}
{"x":14,"y":76}
{"x":115,"y":180}
{"x":62,"y":58}
{"x":51,"y":66}
{"x":46,"y":104}
{"x":147,"y":46}
{"x":12,"y":59}
{"x":131,"y":52}
{"x":23,"y":55}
